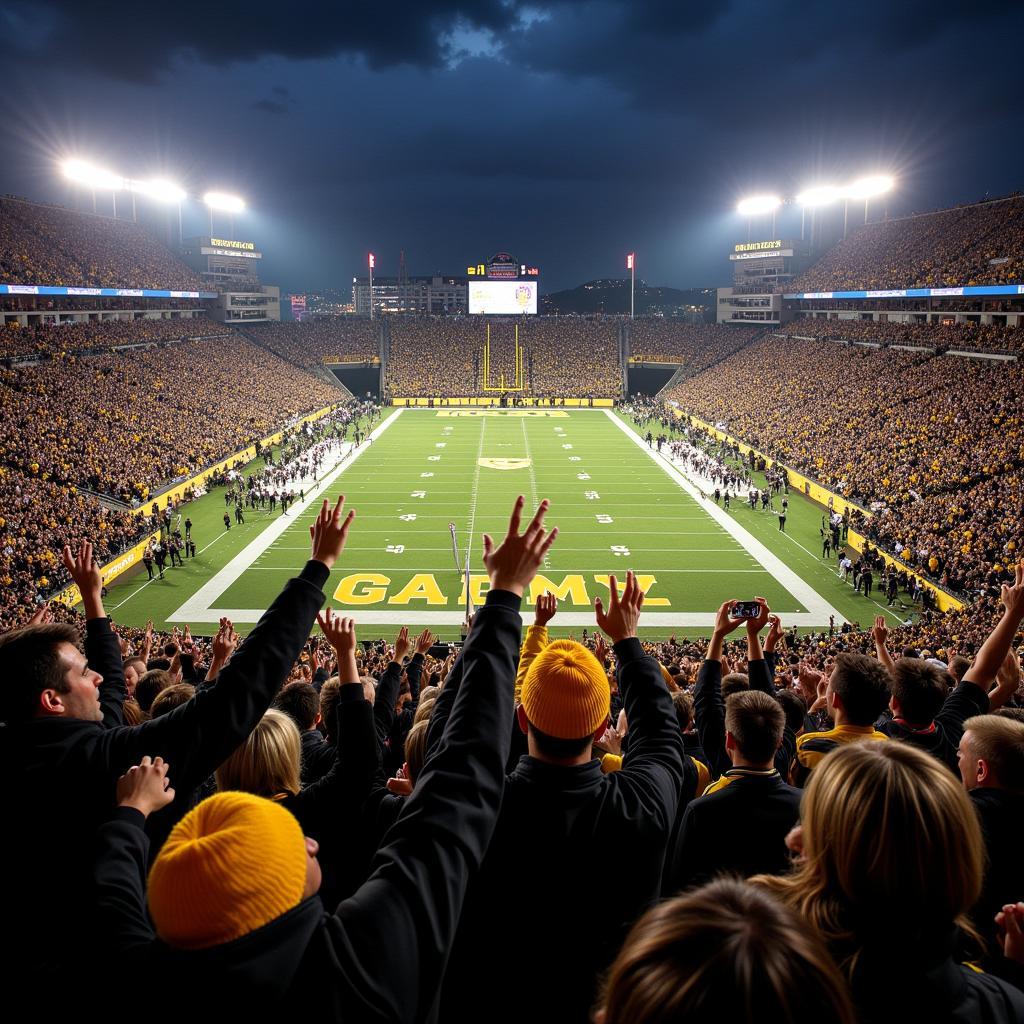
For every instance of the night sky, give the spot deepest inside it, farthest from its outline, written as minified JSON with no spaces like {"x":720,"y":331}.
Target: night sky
{"x":566,"y":133}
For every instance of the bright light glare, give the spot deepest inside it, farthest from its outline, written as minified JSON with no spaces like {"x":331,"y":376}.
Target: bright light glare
{"x":92,"y":177}
{"x":756,"y":205}
{"x":159,"y":189}
{"x":873,"y":185}
{"x":820,"y":195}
{"x":222,"y":201}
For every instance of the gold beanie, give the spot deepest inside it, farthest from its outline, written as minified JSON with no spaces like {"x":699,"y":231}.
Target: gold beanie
{"x":234,"y":863}
{"x":566,"y":693}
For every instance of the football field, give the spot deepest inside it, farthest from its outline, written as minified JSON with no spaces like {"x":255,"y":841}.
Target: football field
{"x":617,"y":504}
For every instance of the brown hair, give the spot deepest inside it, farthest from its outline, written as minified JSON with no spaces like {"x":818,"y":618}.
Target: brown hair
{"x":149,"y":686}
{"x":725,"y":952}
{"x":862,"y":684}
{"x":30,"y":663}
{"x":170,"y":698}
{"x":756,"y":722}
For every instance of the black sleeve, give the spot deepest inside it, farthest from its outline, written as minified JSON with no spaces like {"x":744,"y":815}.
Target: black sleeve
{"x":414,"y":670}
{"x":411,"y":904}
{"x":103,"y":653}
{"x":687,"y":865}
{"x":384,"y":703}
{"x":709,"y":714}
{"x":119,"y":875}
{"x":445,"y":702}
{"x":966,"y":700}
{"x":652,"y":771}
{"x":199,"y":735}
{"x":760,"y":676}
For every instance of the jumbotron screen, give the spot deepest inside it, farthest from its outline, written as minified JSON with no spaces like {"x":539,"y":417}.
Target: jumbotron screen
{"x":497,"y":297}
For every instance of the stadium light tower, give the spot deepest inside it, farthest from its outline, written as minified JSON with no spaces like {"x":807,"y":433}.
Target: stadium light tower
{"x":819,"y":195}
{"x":92,"y":177}
{"x":758,"y":206}
{"x":222,"y":201}
{"x":162,"y":191}
{"x":866,"y":189}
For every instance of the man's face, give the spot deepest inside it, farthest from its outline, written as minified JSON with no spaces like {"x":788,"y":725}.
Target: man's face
{"x":968,"y":763}
{"x":82,"y":699}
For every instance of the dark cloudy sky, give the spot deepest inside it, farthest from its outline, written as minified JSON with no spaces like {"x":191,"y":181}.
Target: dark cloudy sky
{"x":566,"y":132}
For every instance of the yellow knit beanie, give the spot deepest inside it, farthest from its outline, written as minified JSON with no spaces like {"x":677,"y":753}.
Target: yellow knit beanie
{"x":234,"y":863}
{"x":566,"y":693}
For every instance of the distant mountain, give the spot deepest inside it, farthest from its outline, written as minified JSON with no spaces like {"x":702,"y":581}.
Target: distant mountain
{"x":611,"y":296}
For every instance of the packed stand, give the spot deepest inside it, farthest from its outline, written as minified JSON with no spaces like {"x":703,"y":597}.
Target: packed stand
{"x":562,"y":357}
{"x":695,"y":346}
{"x":934,"y":446}
{"x":49,"y":340}
{"x":966,"y":336}
{"x":310,"y":343}
{"x":967,"y":245}
{"x":48,"y":245}
{"x":713,"y":830}
{"x":166,"y":412}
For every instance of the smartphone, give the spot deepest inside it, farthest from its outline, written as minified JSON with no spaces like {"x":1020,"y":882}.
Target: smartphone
{"x":746,"y":609}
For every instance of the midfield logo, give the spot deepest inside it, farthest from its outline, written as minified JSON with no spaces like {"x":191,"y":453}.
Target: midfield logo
{"x":504,"y":463}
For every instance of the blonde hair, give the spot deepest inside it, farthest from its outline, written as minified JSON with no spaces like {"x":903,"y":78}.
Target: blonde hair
{"x":423,"y":711}
{"x":416,"y":749}
{"x":267,"y":763}
{"x":999,"y":741}
{"x":884,"y":824}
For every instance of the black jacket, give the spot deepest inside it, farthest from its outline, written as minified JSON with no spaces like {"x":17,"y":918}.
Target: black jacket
{"x":740,"y":830}
{"x":380,"y":955}
{"x":61,"y":774}
{"x":576,"y":858}
{"x":1002,"y":824}
{"x":317,"y":756}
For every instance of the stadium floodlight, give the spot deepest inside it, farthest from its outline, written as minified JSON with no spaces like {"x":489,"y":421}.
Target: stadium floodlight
{"x":871,"y":186}
{"x":87,"y":174}
{"x":755,"y":206}
{"x":820,"y":195}
{"x":160,"y":189}
{"x":223,"y":201}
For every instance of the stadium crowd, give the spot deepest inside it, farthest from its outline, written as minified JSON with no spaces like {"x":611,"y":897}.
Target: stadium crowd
{"x":933,"y":445}
{"x":165,"y":412}
{"x":712,"y":831}
{"x":966,"y":245}
{"x":696,"y":346}
{"x":310,"y":342}
{"x":48,"y":340}
{"x":49,"y":245}
{"x":968,"y":336}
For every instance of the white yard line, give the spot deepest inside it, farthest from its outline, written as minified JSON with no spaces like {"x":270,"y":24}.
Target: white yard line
{"x":198,"y":607}
{"x":818,"y":609}
{"x":476,"y":487}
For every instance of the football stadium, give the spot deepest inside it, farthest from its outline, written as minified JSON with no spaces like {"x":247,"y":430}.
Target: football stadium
{"x":657,"y":659}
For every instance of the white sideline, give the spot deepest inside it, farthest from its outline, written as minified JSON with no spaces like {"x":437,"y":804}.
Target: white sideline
{"x":818,"y":609}
{"x":197,"y":607}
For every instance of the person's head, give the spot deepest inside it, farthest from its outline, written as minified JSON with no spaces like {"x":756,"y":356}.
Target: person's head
{"x":918,"y":690}
{"x":268,"y":762}
{"x":424,"y":710}
{"x":858,"y":689}
{"x":134,"y":670}
{"x":170,"y":698}
{"x":753,"y":728}
{"x":301,"y":703}
{"x":46,"y":675}
{"x":1013,"y":714}
{"x":991,"y":753}
{"x":415,"y":750}
{"x":132,"y":713}
{"x":150,"y":685}
{"x":884,"y":825}
{"x":734,"y":682}
{"x":724,"y":952}
{"x":683,"y":703}
{"x":233,"y":864}
{"x":328,"y":702}
{"x":794,"y":707}
{"x":565,"y":702}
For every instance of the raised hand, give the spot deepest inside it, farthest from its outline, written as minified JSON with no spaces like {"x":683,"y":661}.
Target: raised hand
{"x":1010,"y":927}
{"x":87,"y":577}
{"x":513,"y":564}
{"x":1012,"y":594}
{"x":623,"y":614}
{"x":340,"y":632}
{"x":725,"y":623}
{"x":41,"y":616}
{"x":225,"y":642}
{"x":424,"y":641}
{"x":879,"y":632}
{"x":547,"y":605}
{"x":329,"y":532}
{"x":758,"y":623}
{"x":774,"y":633}
{"x":402,"y":644}
{"x":600,"y":649}
{"x":145,"y":786}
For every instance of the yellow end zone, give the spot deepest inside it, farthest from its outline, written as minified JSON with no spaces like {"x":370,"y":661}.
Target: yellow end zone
{"x":367,"y":588}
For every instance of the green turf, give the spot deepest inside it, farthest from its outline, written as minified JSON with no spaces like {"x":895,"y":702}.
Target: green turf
{"x":660,"y":530}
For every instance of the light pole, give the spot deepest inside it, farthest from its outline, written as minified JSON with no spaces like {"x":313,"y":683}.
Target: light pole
{"x":370,"y":262}
{"x":222,"y":201}
{"x":631,"y":267}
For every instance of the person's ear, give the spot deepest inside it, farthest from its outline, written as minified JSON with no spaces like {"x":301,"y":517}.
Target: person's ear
{"x":50,"y":702}
{"x":522,"y":719}
{"x":730,"y":741}
{"x":984,"y":772}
